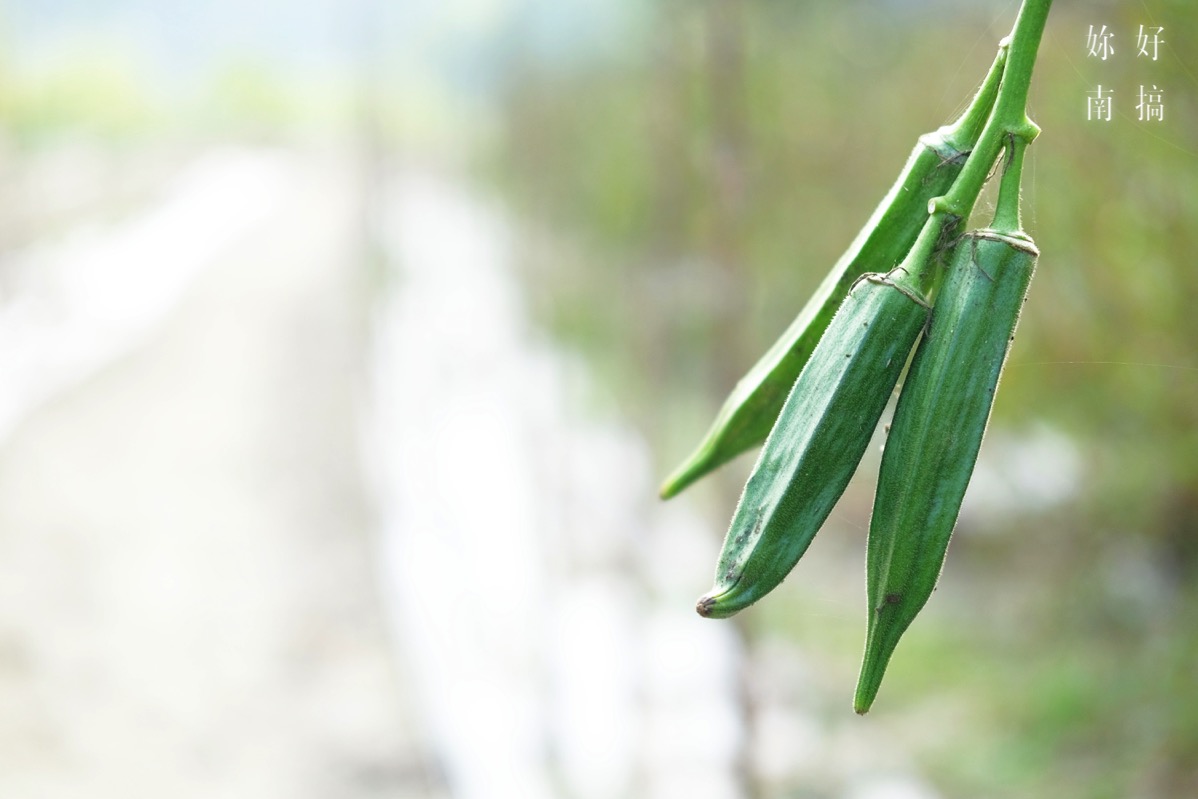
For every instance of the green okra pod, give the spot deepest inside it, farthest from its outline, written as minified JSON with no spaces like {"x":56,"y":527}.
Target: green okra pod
{"x":938,"y":426}
{"x":825,"y":426}
{"x":751,"y":409}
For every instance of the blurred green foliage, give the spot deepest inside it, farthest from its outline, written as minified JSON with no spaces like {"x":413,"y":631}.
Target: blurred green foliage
{"x":97,"y":91}
{"x":688,"y":198}
{"x":108,"y":92}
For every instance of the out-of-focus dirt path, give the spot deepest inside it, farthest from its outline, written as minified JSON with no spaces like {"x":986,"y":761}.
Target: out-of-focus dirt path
{"x":187,"y":598}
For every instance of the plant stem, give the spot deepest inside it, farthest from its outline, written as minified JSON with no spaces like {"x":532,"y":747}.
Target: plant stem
{"x":1006,"y":209}
{"x":963,"y":134}
{"x":1009,"y":117}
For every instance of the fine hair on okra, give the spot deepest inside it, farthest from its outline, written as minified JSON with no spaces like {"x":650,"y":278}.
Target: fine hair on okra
{"x":748,"y":414}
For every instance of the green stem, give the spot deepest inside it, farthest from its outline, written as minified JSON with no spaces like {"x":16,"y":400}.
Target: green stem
{"x":1006,"y":209}
{"x":963,"y":134}
{"x":1009,"y":117}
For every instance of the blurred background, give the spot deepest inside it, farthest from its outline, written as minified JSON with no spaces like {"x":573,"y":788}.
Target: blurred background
{"x":343,"y":346}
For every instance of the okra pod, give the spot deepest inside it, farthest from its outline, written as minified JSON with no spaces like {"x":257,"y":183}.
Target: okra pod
{"x":751,"y":409}
{"x":825,"y":426}
{"x":938,"y":426}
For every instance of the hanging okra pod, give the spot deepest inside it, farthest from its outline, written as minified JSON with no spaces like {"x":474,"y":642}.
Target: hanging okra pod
{"x":939,"y":423}
{"x":822,"y":429}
